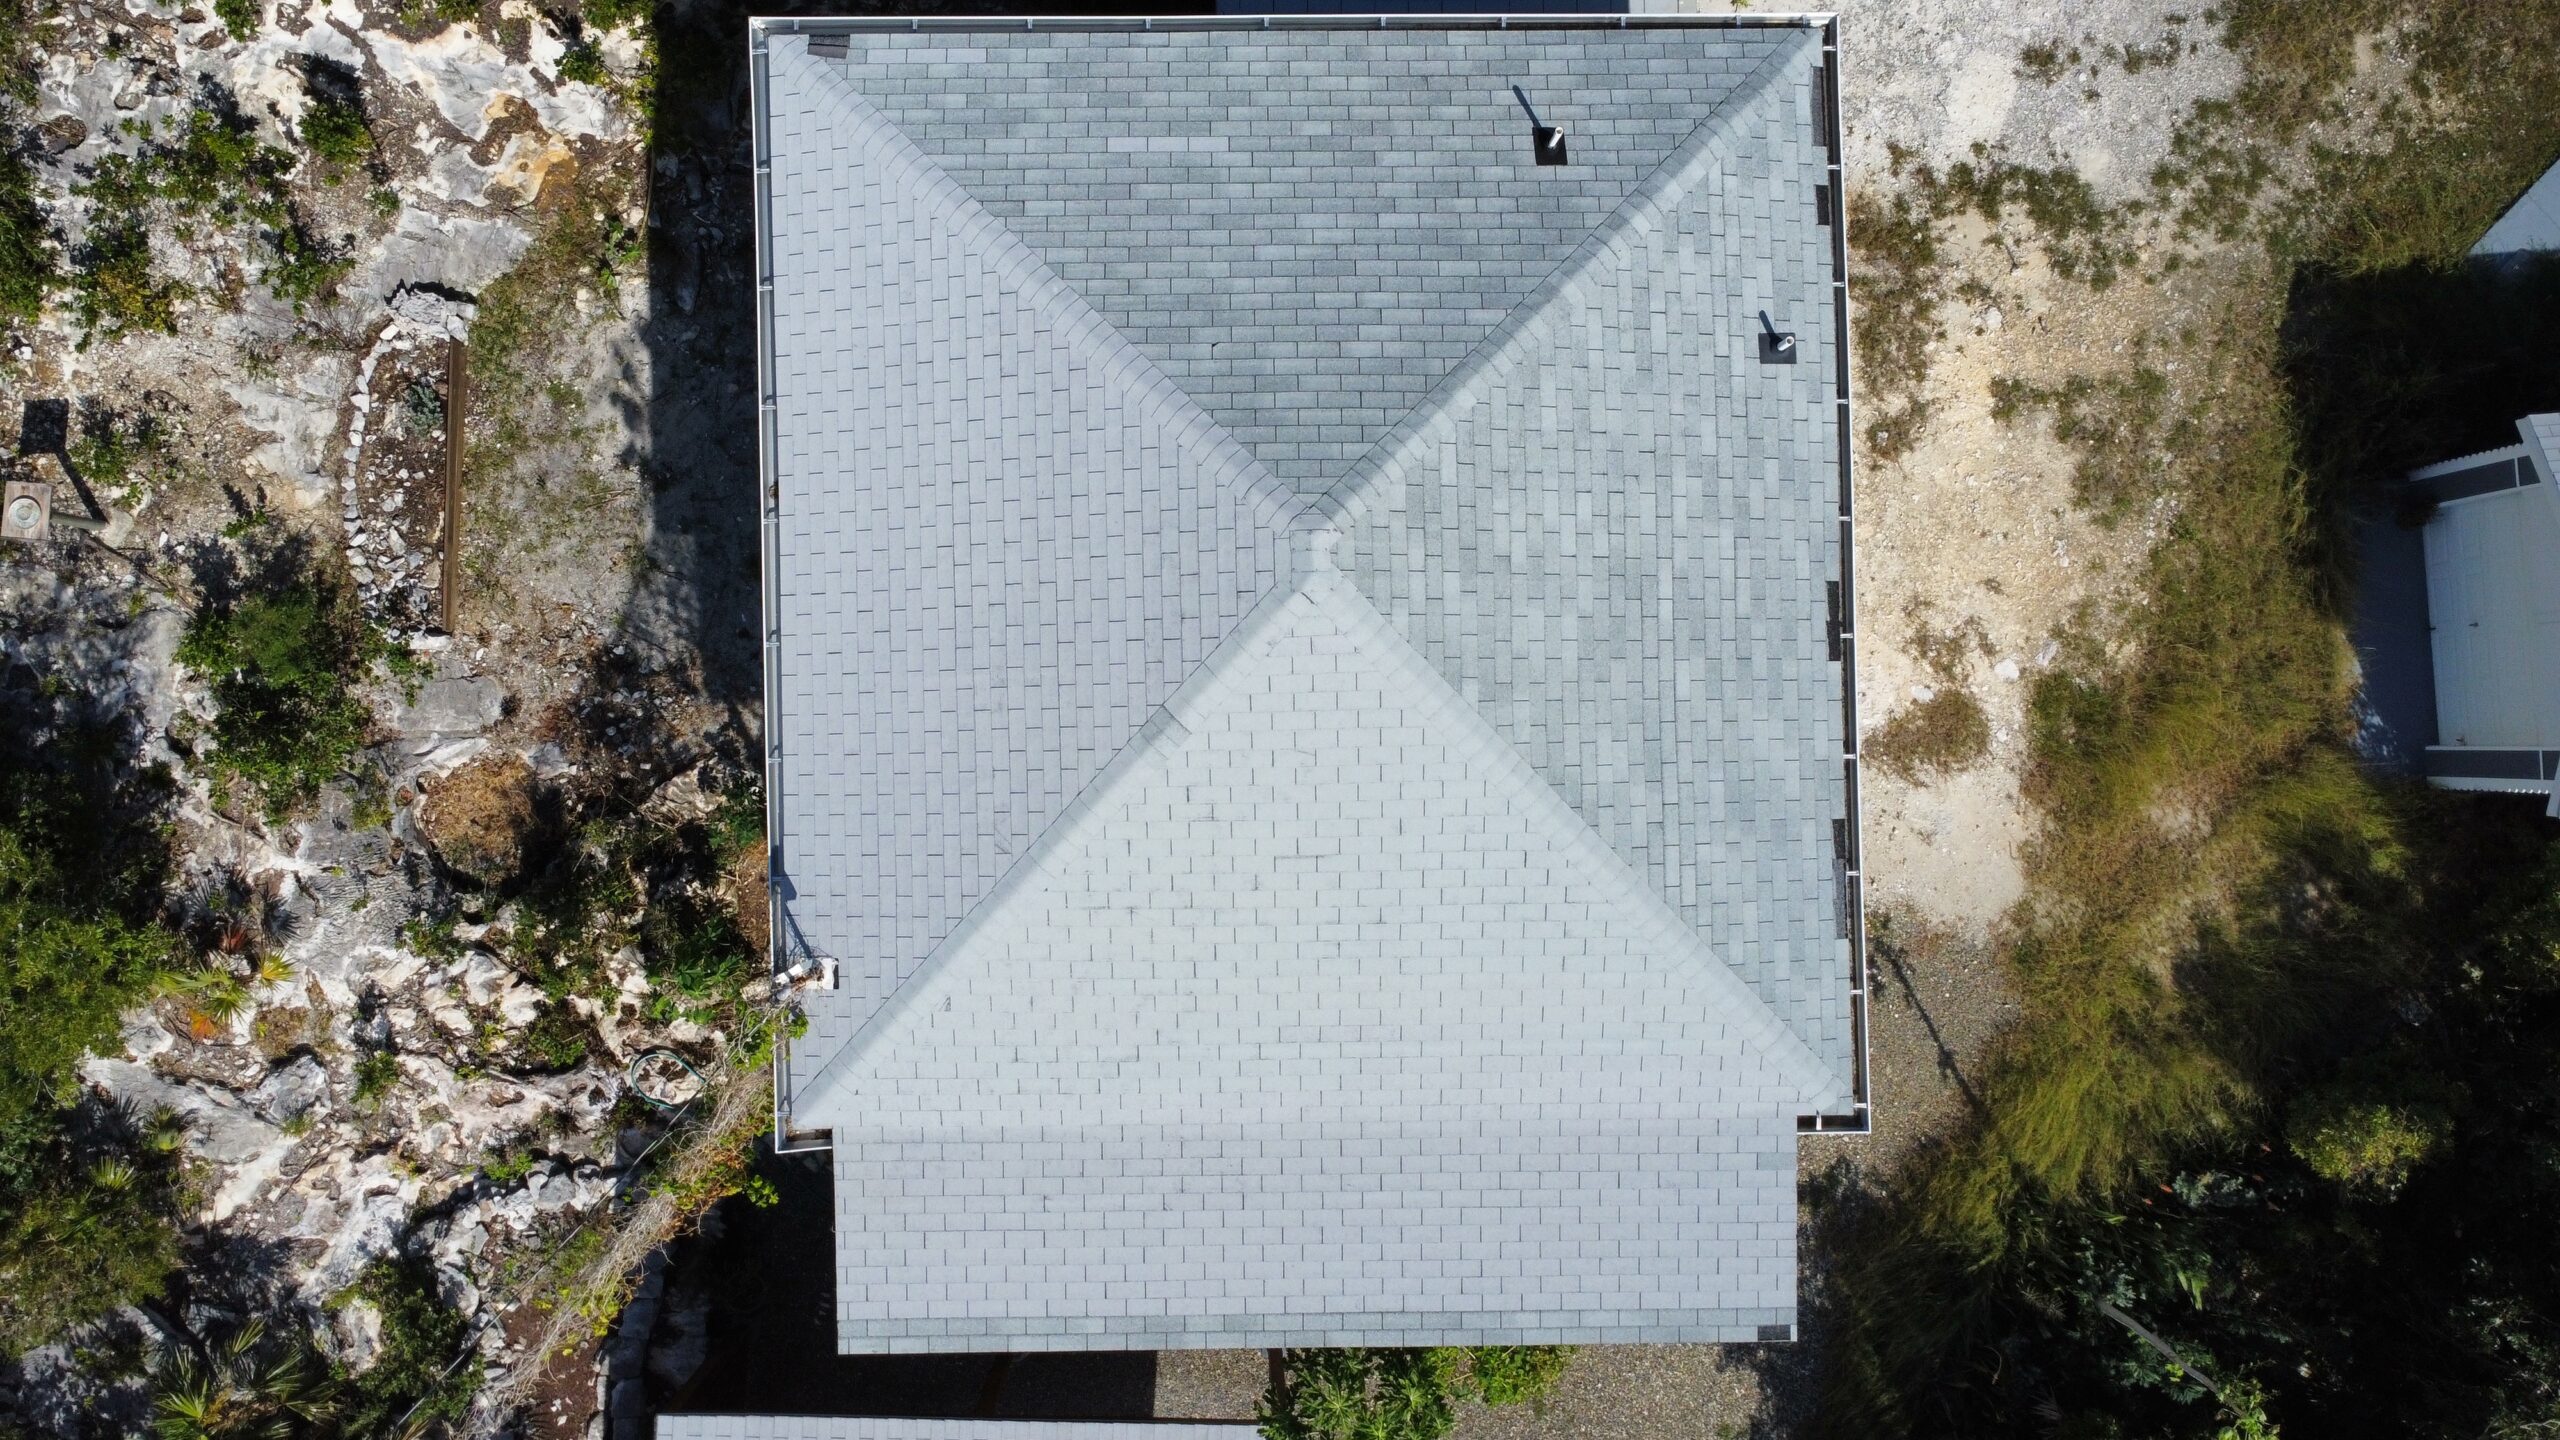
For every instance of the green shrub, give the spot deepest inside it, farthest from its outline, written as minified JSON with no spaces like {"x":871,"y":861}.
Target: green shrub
{"x":2367,"y":1145}
{"x":336,"y":131}
{"x":413,"y":1383}
{"x":1385,"y":1394}
{"x":279,"y":664}
{"x":24,"y":28}
{"x":29,"y":270}
{"x":509,"y":1167}
{"x":88,"y":1197}
{"x":614,"y":14}
{"x":582,"y":63}
{"x":69,"y":971}
{"x":692,"y":946}
{"x":302,"y":268}
{"x":116,"y":287}
{"x":376,"y":1073}
{"x":240,"y":17}
{"x":1516,"y":1374}
{"x":210,"y":165}
{"x":446,"y":12}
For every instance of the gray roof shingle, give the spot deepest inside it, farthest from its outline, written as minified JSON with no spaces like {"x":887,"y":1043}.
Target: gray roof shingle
{"x":1301,"y":700}
{"x":1305,"y":228}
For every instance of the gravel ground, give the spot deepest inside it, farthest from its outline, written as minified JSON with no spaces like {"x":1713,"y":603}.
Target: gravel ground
{"x":1209,"y":1384}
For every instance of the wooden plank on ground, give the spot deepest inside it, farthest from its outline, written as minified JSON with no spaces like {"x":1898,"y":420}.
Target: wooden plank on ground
{"x":456,"y":382}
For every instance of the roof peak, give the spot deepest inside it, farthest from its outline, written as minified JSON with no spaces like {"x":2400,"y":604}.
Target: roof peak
{"x":1259,"y":716}
{"x":1609,"y":246}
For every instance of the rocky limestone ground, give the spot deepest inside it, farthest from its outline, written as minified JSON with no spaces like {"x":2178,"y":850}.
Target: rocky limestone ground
{"x":395,"y":1082}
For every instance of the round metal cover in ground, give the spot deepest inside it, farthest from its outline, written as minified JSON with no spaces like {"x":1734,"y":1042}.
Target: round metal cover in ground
{"x":25,"y":511}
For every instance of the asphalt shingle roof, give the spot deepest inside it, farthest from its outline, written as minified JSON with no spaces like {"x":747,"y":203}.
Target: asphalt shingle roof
{"x":1300,"y":692}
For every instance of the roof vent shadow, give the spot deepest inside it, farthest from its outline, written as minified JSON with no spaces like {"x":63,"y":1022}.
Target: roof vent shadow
{"x":1546,"y":142}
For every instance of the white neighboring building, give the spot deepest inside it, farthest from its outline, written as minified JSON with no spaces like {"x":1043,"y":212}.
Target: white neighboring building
{"x":2493,"y":613}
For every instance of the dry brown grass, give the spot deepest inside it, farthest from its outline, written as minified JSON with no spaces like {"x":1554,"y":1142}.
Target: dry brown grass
{"x":743,"y":886}
{"x":483,"y":817}
{"x":1927,"y":738}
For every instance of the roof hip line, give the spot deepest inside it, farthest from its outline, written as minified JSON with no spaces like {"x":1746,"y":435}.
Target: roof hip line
{"x":1647,"y":205}
{"x":1162,"y":403}
{"x":1305,"y":556}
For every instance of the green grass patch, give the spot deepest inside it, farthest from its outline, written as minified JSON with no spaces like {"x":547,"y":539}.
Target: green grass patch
{"x":2082,"y":236}
{"x":2126,"y":427}
{"x":1930,"y":738}
{"x":529,"y":432}
{"x":239,"y":17}
{"x":1899,"y":274}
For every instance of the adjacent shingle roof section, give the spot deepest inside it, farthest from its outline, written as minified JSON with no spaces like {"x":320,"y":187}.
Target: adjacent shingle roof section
{"x":866,"y":1427}
{"x":1007,"y":537}
{"x":1299,"y":674}
{"x":1614,"y":531}
{"x":2532,"y":223}
{"x":1353,"y":1030}
{"x":1305,"y":228}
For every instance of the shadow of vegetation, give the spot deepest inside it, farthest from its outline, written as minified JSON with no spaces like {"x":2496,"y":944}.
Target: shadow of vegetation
{"x":2395,"y":369}
{"x":773,"y":1336}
